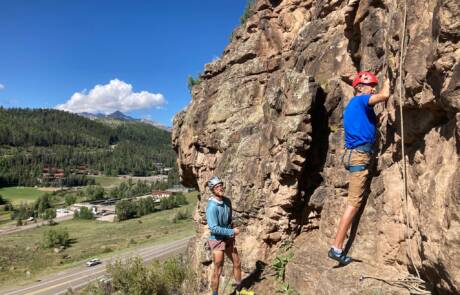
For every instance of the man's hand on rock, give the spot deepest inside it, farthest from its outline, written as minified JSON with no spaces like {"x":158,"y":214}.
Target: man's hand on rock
{"x":236,"y":231}
{"x":386,"y":88}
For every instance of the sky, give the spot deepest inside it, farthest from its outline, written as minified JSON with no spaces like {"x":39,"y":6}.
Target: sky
{"x":100,"y":56}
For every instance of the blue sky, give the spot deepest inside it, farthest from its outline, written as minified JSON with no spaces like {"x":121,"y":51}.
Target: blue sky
{"x":138,"y":52}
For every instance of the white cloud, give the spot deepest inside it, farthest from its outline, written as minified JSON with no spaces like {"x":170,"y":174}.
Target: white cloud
{"x":115,"y":96}
{"x":2,"y":86}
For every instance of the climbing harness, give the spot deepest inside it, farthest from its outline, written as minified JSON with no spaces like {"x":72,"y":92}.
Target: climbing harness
{"x":365,"y":148}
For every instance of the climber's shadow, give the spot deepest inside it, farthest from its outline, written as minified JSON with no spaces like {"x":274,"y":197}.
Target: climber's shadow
{"x":254,"y":277}
{"x":342,"y":265}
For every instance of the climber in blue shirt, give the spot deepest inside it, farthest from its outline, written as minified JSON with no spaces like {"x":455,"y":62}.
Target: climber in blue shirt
{"x":222,"y":238}
{"x":359,"y":122}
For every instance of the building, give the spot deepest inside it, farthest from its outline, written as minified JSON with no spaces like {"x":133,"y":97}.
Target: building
{"x":77,"y":206}
{"x":161,"y":194}
{"x":180,"y":189}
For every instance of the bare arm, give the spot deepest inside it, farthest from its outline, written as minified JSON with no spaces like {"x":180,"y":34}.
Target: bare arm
{"x":382,"y":96}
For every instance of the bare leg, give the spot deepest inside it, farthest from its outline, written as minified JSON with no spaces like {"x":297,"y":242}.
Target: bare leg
{"x":233,"y":255}
{"x":344,"y":225}
{"x":218,"y":266}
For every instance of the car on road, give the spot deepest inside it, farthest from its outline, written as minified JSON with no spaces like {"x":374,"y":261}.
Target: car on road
{"x":92,"y":262}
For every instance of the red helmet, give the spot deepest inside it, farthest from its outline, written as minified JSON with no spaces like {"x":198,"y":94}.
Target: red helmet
{"x":365,"y":78}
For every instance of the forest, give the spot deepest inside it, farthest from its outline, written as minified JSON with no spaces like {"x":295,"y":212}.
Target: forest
{"x":51,"y":147}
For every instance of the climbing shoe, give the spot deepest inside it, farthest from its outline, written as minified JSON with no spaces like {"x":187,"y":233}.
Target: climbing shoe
{"x":340,"y":257}
{"x":245,"y":292}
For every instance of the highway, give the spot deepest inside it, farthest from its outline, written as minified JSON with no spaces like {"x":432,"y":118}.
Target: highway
{"x":80,"y":276}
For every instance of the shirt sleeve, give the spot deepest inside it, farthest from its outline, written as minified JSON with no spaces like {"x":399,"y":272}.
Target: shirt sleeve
{"x":365,"y":101}
{"x":213,"y":225}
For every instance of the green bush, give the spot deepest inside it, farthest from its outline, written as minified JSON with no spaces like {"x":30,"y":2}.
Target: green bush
{"x":134,"y":277}
{"x":193,"y":81}
{"x":43,"y":203}
{"x":94,"y":192}
{"x":24,"y":211}
{"x":83,"y":213}
{"x":181,"y":215}
{"x":125,"y":209}
{"x":181,"y":200}
{"x":247,"y":11}
{"x":70,"y":200}
{"x":279,"y":265}
{"x":3,"y":201}
{"x":48,"y":215}
{"x":56,"y":238}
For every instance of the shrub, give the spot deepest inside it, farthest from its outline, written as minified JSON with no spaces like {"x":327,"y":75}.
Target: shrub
{"x":3,"y":201}
{"x":70,"y":200}
{"x":247,"y":11}
{"x":193,"y":81}
{"x":181,"y":215}
{"x":94,"y":192}
{"x":134,"y":277}
{"x":56,"y":238}
{"x":181,"y":200}
{"x":168,"y":203}
{"x":24,"y":211}
{"x":125,"y":209}
{"x":279,"y":265}
{"x":8,"y":207}
{"x":43,"y":203}
{"x":83,"y":213}
{"x":49,"y":214}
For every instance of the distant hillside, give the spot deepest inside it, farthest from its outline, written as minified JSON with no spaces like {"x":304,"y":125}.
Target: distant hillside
{"x":35,"y":141}
{"x":119,"y":116}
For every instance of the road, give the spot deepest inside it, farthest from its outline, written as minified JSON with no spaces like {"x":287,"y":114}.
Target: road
{"x":80,"y":276}
{"x":14,"y":229}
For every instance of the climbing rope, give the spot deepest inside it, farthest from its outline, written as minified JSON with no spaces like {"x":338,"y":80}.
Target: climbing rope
{"x":403,"y":153}
{"x":413,"y":284}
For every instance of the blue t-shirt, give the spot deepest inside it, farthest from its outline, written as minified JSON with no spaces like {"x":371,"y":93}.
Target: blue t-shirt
{"x":359,"y":122}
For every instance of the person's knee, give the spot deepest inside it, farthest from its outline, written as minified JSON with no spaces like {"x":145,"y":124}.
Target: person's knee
{"x":218,"y":265}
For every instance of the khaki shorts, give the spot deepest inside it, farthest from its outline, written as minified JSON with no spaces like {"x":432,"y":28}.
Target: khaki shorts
{"x":221,"y":245}
{"x":358,"y":179}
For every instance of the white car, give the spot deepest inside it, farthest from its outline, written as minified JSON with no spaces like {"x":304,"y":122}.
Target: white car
{"x":94,"y":261}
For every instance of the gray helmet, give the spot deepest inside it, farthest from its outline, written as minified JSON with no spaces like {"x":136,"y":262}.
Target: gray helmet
{"x":214,"y":181}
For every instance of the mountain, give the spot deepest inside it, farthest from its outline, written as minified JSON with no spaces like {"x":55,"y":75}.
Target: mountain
{"x":156,"y":124}
{"x":267,"y":117}
{"x":119,"y":116}
{"x":33,"y":139}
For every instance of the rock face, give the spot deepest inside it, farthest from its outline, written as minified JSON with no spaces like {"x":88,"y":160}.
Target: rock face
{"x":267,"y":118}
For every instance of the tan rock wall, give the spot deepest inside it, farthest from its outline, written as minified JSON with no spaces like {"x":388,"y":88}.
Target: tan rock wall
{"x":267,"y":117}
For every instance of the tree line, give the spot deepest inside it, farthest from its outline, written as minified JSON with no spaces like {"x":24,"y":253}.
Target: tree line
{"x":127,"y":209}
{"x":33,"y":139}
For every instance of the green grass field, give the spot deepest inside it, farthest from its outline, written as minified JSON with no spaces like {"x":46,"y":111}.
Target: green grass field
{"x":22,"y":252}
{"x":108,"y":181}
{"x":19,"y":194}
{"x":5,"y":218}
